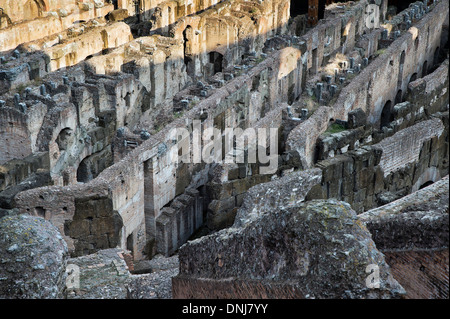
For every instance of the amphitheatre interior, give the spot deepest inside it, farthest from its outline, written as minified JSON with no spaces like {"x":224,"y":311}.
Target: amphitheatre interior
{"x":118,"y":177}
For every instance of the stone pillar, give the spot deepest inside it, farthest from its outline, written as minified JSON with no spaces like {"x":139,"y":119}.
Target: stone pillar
{"x":166,"y":232}
{"x":149,"y":199}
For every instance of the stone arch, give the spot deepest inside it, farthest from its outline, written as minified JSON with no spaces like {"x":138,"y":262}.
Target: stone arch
{"x":429,"y":176}
{"x":84,"y":171}
{"x":33,"y":9}
{"x":216,"y":59}
{"x":188,"y":34}
{"x":416,"y":43}
{"x":63,"y":138}
{"x":413,"y":78}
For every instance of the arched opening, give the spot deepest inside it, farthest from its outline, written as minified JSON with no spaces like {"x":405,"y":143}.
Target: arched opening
{"x":40,"y":211}
{"x":413,"y":78}
{"x":217,"y":60}
{"x":399,"y":97}
{"x":386,"y":115}
{"x":428,"y":177}
{"x":33,"y":9}
{"x":425,"y":69}
{"x":322,"y":5}
{"x":63,"y":138}
{"x":130,"y":243}
{"x":188,"y":34}
{"x":426,"y":184}
{"x":187,"y":37}
{"x":84,"y":171}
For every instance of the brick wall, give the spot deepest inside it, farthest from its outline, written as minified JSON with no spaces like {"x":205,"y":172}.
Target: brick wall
{"x":184,"y":287}
{"x":423,"y":274}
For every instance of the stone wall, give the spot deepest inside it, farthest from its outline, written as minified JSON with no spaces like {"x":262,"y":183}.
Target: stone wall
{"x":373,"y":175}
{"x":394,"y":68}
{"x":95,"y":226}
{"x":145,"y":182}
{"x":54,"y":17}
{"x":289,"y":190}
{"x":423,"y":274}
{"x":303,"y":137}
{"x":413,"y":233}
{"x":33,"y":62}
{"x":130,"y":194}
{"x":15,"y":171}
{"x":92,"y":42}
{"x":177,"y":223}
{"x":431,"y":91}
{"x":418,"y":220}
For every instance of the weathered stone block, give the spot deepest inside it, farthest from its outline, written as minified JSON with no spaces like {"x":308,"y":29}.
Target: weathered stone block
{"x":240,"y":186}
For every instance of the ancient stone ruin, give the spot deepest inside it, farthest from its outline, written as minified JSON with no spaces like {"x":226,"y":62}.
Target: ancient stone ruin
{"x":224,"y":149}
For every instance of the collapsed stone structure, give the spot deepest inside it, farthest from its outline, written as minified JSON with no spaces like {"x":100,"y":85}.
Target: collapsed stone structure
{"x":90,"y":92}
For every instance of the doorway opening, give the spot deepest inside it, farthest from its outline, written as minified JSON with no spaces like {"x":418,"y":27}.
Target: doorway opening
{"x":386,"y":115}
{"x":217,"y":60}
